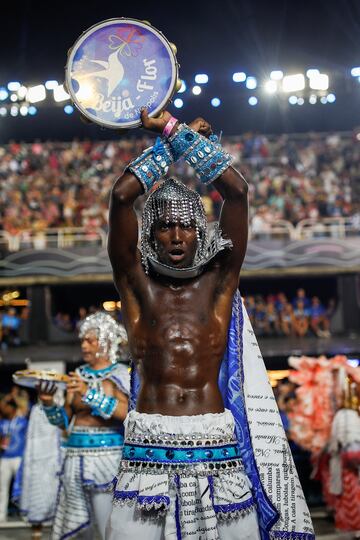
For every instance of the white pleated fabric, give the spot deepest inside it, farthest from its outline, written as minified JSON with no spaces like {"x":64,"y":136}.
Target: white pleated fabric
{"x":192,"y":504}
{"x":41,"y":465}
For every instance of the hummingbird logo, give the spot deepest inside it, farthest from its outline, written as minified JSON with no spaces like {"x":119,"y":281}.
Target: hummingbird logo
{"x":113,"y":71}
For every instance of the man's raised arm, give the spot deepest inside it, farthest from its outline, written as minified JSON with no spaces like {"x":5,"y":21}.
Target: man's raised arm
{"x":140,"y":175}
{"x":234,"y":215}
{"x":123,"y":225}
{"x":212,"y":164}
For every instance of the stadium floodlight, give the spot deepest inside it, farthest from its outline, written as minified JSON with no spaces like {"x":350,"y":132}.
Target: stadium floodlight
{"x":14,"y":110}
{"x":24,"y":109}
{"x":32,"y":110}
{"x":201,"y":78}
{"x":276,"y":75}
{"x":355,"y":71}
{"x":13,"y":86}
{"x":300,"y":101}
{"x":293,"y":100}
{"x":68,"y":109}
{"x":251,"y":83}
{"x":196,"y":90}
{"x":331,"y":98}
{"x":36,"y":93}
{"x":13,"y":98}
{"x":51,"y":85}
{"x":216,"y":102}
{"x":182,"y":87}
{"x":323,"y":100}
{"x":270,"y":86}
{"x":311,"y":72}
{"x":320,"y":81}
{"x":293,"y":83}
{"x":22,"y":92}
{"x":60,"y":94}
{"x":253,"y":100}
{"x":3,"y":111}
{"x":4,"y":94}
{"x":178,"y":103}
{"x":312,"y":99}
{"x":239,"y":76}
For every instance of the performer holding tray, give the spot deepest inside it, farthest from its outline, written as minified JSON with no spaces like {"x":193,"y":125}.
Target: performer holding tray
{"x":95,"y":407}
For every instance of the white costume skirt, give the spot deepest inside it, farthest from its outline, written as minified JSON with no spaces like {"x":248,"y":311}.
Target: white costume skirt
{"x":91,"y":460}
{"x":181,"y":477}
{"x":41,"y":464}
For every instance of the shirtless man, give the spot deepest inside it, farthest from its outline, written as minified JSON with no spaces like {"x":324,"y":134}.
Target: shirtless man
{"x":181,"y":469}
{"x":96,"y":404}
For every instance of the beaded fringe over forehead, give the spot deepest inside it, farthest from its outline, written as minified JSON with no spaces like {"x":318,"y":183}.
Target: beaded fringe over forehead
{"x":173,"y":201}
{"x":111,"y":335}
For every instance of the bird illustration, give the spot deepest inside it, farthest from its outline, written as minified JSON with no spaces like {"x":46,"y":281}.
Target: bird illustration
{"x":113,"y":72}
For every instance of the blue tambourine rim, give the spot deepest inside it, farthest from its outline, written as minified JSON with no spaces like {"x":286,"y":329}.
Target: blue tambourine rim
{"x":108,"y":22}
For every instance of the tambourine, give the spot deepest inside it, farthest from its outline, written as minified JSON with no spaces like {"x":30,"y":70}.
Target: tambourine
{"x":31,"y":377}
{"x":118,"y":66}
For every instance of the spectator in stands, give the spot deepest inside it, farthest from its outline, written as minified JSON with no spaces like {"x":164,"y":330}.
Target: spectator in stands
{"x":250,"y":308}
{"x":319,"y":323}
{"x":300,"y":319}
{"x":13,"y":425}
{"x":63,"y":322}
{"x":260,"y":317}
{"x":287,"y":320}
{"x":66,"y":185}
{"x":280,"y":301}
{"x":10,"y":328}
{"x":273,"y":326}
{"x":301,"y":295}
{"x":82,"y":314}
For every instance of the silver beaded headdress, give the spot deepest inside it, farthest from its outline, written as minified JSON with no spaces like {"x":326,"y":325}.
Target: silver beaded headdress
{"x":111,"y":335}
{"x":172,"y":200}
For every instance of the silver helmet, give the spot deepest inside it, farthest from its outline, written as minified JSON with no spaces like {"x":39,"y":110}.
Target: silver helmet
{"x":172,"y":200}
{"x":111,"y":335}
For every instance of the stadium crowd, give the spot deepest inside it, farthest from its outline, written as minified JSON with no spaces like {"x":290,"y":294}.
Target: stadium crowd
{"x":276,"y":315}
{"x":46,"y":185}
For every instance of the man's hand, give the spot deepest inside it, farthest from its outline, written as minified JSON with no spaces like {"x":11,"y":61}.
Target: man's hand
{"x":155,"y":124}
{"x":46,"y":391}
{"x":158,"y":124}
{"x":201,"y":126}
{"x":76,"y":384}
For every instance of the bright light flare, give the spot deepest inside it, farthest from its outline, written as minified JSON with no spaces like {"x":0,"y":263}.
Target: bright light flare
{"x":60,"y":94}
{"x":36,"y":93}
{"x":201,"y":78}
{"x":270,"y":86}
{"x":293,"y":83}
{"x":320,"y":81}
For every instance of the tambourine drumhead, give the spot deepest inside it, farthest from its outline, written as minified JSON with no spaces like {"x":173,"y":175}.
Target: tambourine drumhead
{"x":31,"y":377}
{"x":118,"y":66}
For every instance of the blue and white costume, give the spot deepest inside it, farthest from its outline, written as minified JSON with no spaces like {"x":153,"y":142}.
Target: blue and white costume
{"x":41,"y":463}
{"x":10,"y":460}
{"x":92,"y":458}
{"x":226,"y":476}
{"x":214,"y":476}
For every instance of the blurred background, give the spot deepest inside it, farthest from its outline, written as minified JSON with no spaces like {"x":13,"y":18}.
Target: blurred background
{"x":280,"y":83}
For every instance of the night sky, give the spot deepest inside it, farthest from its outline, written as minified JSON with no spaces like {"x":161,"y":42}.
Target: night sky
{"x":213,"y":37}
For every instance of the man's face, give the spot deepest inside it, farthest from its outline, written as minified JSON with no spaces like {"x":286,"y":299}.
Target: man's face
{"x":175,"y":243}
{"x":90,"y":347}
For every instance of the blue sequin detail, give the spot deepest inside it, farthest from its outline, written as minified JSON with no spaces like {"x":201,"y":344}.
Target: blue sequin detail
{"x":94,"y":440}
{"x":168,"y":455}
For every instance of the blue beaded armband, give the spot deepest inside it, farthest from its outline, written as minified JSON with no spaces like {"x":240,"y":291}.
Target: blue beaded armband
{"x":153,"y":163}
{"x":57,"y":416}
{"x":206,"y":156}
{"x":101,"y":404}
